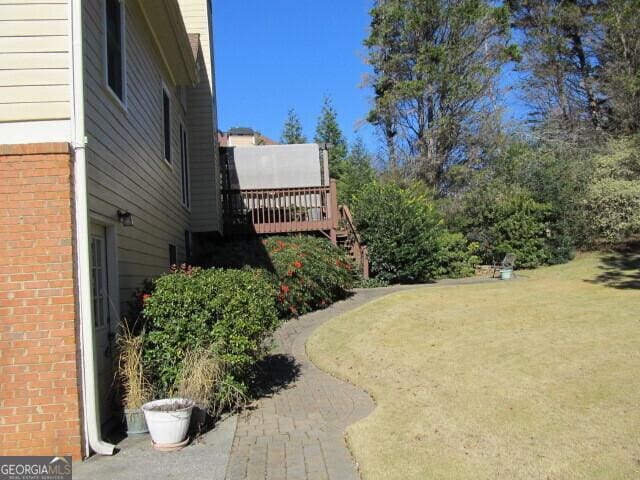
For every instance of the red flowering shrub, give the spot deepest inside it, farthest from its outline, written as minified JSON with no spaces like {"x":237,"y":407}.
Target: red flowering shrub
{"x":310,"y":273}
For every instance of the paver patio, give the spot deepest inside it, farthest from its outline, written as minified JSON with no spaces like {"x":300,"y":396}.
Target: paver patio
{"x":297,"y":433}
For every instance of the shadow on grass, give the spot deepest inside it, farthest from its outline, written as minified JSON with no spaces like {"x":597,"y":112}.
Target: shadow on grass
{"x":620,"y":268}
{"x":274,"y":373}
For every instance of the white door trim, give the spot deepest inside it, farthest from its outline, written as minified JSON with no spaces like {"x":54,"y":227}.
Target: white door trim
{"x":111,"y":234}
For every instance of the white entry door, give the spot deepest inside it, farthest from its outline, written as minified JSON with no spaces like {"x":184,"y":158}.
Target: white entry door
{"x":102,"y":321}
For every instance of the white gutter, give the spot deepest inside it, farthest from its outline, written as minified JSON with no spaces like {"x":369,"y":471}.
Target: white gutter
{"x":91,"y":404}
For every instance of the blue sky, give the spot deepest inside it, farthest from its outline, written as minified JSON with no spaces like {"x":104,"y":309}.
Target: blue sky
{"x":279,"y":54}
{"x":273,"y":55}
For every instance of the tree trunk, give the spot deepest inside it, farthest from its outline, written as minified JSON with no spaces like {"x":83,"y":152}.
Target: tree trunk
{"x":389,"y":132}
{"x":586,"y":80}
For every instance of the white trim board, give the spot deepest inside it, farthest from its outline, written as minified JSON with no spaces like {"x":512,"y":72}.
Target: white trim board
{"x":35,"y":131}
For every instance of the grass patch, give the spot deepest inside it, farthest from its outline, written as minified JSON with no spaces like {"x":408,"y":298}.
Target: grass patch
{"x":529,"y":379}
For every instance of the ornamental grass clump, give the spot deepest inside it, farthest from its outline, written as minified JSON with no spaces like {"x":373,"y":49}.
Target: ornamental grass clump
{"x":131,"y":375}
{"x":204,"y":379}
{"x":201,"y":373}
{"x":309,"y":273}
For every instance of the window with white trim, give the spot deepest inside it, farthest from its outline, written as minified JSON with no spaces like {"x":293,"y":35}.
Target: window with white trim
{"x":166,"y":125}
{"x":184,"y":160}
{"x":115,"y":52}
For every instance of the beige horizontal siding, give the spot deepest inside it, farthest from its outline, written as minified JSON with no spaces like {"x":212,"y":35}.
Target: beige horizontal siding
{"x":195,"y":16}
{"x":34,"y":60}
{"x":31,"y":28}
{"x":19,"y":112}
{"x":42,"y":44}
{"x":31,"y":2}
{"x":205,"y":194}
{"x":34,"y":10}
{"x":205,"y":172}
{"x":41,"y":94}
{"x":36,"y":76}
{"x":125,"y":165}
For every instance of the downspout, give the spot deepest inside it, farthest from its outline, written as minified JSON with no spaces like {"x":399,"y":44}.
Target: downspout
{"x":91,"y":404}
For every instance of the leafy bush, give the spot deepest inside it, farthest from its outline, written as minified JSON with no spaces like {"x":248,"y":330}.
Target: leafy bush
{"x":556,"y":175}
{"x":309,"y":273}
{"x":401,"y":228}
{"x":613,"y":197}
{"x":455,"y":257}
{"x":616,"y":208}
{"x":552,"y":173}
{"x":231,"y":312}
{"x":509,"y":221}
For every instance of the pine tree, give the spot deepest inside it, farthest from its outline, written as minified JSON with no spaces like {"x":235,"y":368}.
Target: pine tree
{"x":357,"y":172}
{"x":620,"y":59}
{"x":292,"y":130}
{"x":582,"y":62}
{"x":328,"y":131}
{"x":435,"y":65}
{"x":560,"y":59}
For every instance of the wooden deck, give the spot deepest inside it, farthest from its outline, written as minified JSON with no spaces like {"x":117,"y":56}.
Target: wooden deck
{"x":281,"y":210}
{"x":268,"y":211}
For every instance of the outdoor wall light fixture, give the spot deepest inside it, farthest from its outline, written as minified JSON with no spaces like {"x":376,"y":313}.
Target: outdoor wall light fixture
{"x":125,"y":218}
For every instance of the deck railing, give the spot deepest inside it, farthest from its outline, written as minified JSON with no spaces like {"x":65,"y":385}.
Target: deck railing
{"x":281,"y":210}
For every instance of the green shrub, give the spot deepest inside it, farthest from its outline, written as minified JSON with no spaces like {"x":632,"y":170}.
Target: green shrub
{"x":553,"y":173}
{"x":560,"y":249}
{"x":230,"y":311}
{"x":616,"y":208}
{"x":455,"y":256}
{"x":309,"y":273}
{"x":613,"y":196}
{"x":401,"y":228}
{"x":509,"y":221}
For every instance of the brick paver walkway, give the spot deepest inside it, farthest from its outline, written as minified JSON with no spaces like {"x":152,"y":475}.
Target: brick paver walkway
{"x":298,"y":432}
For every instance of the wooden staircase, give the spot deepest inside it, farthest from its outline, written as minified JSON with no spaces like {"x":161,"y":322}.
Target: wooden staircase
{"x":347,"y":237}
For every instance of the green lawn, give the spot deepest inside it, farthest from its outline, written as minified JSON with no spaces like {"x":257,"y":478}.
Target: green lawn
{"x":534,"y":379}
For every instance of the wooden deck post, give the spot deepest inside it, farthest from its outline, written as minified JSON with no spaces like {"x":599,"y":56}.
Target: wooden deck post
{"x":334,"y":215}
{"x":326,"y":180}
{"x":364,"y":261}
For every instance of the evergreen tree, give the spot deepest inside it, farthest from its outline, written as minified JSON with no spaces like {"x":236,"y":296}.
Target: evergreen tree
{"x":560,"y":59}
{"x":292,"y":130}
{"x":357,"y":172}
{"x":582,"y":60}
{"x":435,"y":66}
{"x":328,"y":131}
{"x":620,"y":58}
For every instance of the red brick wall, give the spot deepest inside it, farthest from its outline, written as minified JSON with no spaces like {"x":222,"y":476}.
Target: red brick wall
{"x":39,"y":371}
